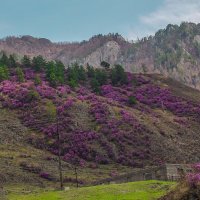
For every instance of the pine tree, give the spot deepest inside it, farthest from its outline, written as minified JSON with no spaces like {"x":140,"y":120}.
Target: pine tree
{"x":20,"y":74}
{"x":12,"y":61}
{"x":4,"y":73}
{"x":95,"y":85}
{"x":101,"y":76}
{"x":60,"y":72}
{"x":51,"y":73}
{"x":26,"y":61}
{"x":90,"y":71}
{"x":105,"y":64}
{"x":37,"y":80}
{"x":39,"y":63}
{"x":4,"y":60}
{"x":118,"y":75}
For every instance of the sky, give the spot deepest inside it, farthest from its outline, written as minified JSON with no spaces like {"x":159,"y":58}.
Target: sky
{"x":77,"y":20}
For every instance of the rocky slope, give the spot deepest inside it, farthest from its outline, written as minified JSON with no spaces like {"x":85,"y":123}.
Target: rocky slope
{"x":173,"y":52}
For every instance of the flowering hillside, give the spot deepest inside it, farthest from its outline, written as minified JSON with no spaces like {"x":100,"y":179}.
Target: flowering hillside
{"x":135,"y":121}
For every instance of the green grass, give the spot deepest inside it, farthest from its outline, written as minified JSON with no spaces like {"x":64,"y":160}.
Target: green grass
{"x":144,"y":190}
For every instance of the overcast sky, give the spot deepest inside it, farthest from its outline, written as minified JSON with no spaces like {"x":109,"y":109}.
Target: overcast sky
{"x":76,"y":20}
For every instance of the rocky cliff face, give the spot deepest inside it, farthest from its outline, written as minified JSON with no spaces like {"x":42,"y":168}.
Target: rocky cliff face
{"x":173,"y":52}
{"x":108,"y":52}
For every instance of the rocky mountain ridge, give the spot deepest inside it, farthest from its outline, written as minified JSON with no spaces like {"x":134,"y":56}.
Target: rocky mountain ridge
{"x":173,"y":52}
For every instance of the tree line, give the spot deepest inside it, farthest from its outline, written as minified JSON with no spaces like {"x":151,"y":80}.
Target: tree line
{"x":57,"y":74}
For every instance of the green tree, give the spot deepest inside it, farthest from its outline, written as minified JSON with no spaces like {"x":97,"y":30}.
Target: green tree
{"x":73,"y":83}
{"x":4,"y":60}
{"x":60,"y":72}
{"x":12,"y":61}
{"x":81,"y":73}
{"x":76,"y":74}
{"x":101,"y":76}
{"x":37,"y":80}
{"x":51,"y":73}
{"x":95,"y":85}
{"x":55,"y":72}
{"x":118,"y":75}
{"x":50,"y":110}
{"x":39,"y":63}
{"x":20,"y":74}
{"x":105,"y":64}
{"x":90,"y":71}
{"x":4,"y":73}
{"x":26,"y":61}
{"x":132,"y":100}
{"x":32,"y":95}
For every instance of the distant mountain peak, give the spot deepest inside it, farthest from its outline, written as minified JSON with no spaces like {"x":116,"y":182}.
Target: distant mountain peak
{"x":173,"y":51}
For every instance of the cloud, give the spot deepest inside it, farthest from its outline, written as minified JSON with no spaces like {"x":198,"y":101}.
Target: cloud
{"x":173,"y":12}
{"x":170,"y":12}
{"x":138,"y":33}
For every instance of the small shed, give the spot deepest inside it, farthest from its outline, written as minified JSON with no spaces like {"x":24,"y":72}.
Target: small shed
{"x":177,"y":171}
{"x":166,"y":172}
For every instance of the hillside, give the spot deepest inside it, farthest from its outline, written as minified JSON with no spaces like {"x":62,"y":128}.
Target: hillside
{"x":173,"y":52}
{"x":103,"y":131}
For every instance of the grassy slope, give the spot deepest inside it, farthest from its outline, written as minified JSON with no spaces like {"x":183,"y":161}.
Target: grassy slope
{"x":144,"y":190}
{"x":14,"y":150}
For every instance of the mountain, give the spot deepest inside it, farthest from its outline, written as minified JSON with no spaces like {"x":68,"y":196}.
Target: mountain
{"x":173,"y":52}
{"x":146,"y":120}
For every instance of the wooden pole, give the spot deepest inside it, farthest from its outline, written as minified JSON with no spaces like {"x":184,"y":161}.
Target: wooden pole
{"x":76,"y":177}
{"x":59,"y":154}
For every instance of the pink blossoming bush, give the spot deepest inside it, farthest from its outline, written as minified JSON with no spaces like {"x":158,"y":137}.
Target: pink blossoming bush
{"x":115,"y":94}
{"x":194,"y":178}
{"x":46,"y":91}
{"x":157,"y":97}
{"x":29,"y":74}
{"x":122,"y":133}
{"x":45,"y":175}
{"x":116,"y":134}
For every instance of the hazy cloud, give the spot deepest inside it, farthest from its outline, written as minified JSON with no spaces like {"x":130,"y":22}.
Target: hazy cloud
{"x":174,"y":12}
{"x":170,"y":12}
{"x":138,"y":33}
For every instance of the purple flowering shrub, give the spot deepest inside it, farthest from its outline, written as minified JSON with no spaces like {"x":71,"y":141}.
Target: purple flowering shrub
{"x":157,"y":97}
{"x":115,"y":93}
{"x":46,"y":175}
{"x":124,"y":135}
{"x":194,"y":178}
{"x":116,"y":136}
{"x":137,"y":80}
{"x":77,"y":146}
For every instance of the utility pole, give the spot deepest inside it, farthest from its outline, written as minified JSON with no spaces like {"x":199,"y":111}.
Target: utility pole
{"x":59,"y":153}
{"x":162,"y":106}
{"x":76,"y":174}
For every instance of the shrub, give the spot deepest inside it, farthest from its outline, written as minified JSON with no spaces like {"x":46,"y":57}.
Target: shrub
{"x":39,"y":63}
{"x":32,"y":95}
{"x":95,"y":86}
{"x":4,"y":73}
{"x":73,"y":83}
{"x":20,"y":74}
{"x":132,"y":100}
{"x":105,"y":64}
{"x":118,"y":75}
{"x":26,"y":61}
{"x":37,"y":80}
{"x":46,"y":175}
